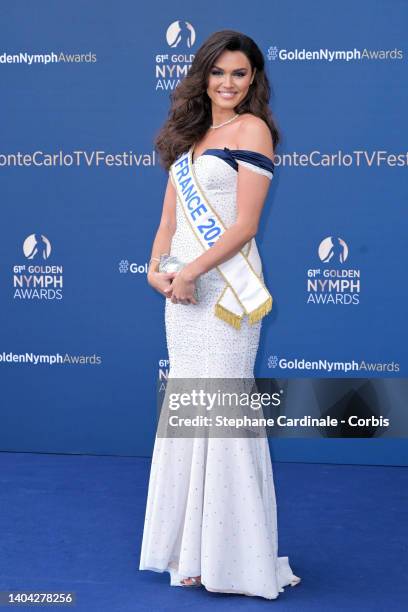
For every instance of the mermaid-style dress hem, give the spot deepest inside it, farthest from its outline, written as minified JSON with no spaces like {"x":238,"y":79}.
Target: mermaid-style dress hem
{"x":285,"y":577}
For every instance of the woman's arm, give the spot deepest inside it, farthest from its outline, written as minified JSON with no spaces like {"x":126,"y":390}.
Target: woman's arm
{"x":252,"y":189}
{"x":162,"y":241}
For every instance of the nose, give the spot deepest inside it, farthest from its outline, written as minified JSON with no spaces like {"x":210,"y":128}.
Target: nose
{"x":227,"y":80}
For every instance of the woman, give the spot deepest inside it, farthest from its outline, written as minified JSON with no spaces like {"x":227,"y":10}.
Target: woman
{"x":211,"y":509}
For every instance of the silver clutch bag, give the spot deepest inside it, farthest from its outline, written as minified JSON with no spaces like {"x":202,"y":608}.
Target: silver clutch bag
{"x":171,"y":263}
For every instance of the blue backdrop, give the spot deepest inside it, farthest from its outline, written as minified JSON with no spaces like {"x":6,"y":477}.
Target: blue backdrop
{"x":85,"y":88}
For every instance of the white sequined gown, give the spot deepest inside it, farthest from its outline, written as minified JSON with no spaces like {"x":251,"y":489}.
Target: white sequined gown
{"x":211,"y":507}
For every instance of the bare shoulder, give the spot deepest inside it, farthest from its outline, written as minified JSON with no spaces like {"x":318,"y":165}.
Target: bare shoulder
{"x":254,"y":135}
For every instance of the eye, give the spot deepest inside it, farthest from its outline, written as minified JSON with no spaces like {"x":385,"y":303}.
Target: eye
{"x":216,"y":72}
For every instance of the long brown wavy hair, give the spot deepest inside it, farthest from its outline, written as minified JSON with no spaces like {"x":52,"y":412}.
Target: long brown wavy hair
{"x":190,"y":115}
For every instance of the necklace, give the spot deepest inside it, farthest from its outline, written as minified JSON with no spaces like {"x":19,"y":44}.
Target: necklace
{"x":214,"y":127}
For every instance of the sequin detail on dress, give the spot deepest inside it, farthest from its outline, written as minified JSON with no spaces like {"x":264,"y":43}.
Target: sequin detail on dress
{"x":211,"y":507}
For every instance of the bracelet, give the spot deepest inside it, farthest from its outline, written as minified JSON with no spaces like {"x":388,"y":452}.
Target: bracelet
{"x":156,"y":259}
{"x":153,"y":266}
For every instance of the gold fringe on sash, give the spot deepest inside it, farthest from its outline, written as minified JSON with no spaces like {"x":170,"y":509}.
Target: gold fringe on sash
{"x":228,"y":316}
{"x":235,"y":320}
{"x":261,"y":311}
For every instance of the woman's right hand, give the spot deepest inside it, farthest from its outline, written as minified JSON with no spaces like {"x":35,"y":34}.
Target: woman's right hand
{"x":161,"y":281}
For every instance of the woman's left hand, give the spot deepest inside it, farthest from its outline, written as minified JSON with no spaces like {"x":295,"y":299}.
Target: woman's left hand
{"x":181,"y":290}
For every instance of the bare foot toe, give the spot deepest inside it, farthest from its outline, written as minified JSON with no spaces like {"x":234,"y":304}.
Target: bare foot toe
{"x":194,"y":581}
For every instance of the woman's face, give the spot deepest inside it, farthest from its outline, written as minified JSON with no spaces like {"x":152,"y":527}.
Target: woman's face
{"x":229,"y":79}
